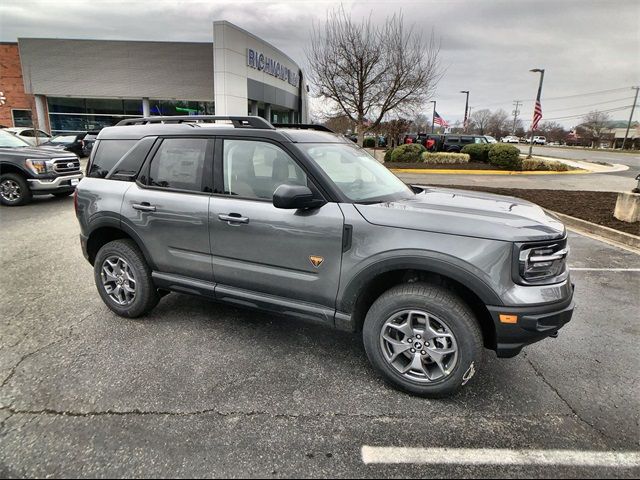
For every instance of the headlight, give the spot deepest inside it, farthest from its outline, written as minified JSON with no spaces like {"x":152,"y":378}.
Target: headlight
{"x":542,"y":263}
{"x":38,"y":166}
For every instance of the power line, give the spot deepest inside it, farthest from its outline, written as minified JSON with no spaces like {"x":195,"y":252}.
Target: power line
{"x":611,"y":110}
{"x":546,"y":99}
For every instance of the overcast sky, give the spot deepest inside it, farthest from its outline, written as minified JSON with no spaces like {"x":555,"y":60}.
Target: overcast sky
{"x":488,"y":46}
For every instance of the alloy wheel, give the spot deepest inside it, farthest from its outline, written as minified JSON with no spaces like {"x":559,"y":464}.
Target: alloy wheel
{"x":118,"y":280}
{"x":419,"y":345}
{"x":10,"y":190}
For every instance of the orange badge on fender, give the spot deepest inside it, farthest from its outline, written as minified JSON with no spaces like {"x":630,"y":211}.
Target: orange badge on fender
{"x":315,"y":260}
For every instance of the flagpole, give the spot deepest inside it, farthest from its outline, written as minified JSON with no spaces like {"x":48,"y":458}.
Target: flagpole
{"x":541,"y":71}
{"x":433,"y":118}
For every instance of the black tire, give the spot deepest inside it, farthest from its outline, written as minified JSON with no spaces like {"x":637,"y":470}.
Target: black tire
{"x":23,"y":186}
{"x":146,"y":294}
{"x":444,"y":305}
{"x":63,"y":194}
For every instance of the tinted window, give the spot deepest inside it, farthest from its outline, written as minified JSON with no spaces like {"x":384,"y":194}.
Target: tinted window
{"x":466,"y":140}
{"x":179,"y":164}
{"x":453,"y":139}
{"x":26,"y":133}
{"x":109,"y":152}
{"x":255,"y":169}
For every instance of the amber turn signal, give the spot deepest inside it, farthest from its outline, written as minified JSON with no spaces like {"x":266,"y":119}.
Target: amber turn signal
{"x":508,"y":319}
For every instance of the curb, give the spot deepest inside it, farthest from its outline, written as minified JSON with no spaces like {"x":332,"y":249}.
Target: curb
{"x":447,"y":171}
{"x":615,"y":236}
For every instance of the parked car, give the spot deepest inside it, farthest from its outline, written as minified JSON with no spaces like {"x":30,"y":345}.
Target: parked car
{"x":73,"y":143}
{"x":455,"y":142}
{"x":88,"y":141}
{"x":539,"y":140}
{"x":304,"y":223}
{"x":510,"y":139}
{"x":26,"y":170}
{"x":490,"y":139}
{"x":30,"y":135}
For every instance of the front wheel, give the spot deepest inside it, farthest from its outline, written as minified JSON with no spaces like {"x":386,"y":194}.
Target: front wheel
{"x":423,"y":340}
{"x":14,"y":190}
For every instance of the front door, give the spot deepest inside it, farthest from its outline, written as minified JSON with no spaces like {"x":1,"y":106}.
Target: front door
{"x":285,"y":255}
{"x":171,"y":211}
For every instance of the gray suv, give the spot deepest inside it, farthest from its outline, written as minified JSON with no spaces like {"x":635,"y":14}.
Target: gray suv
{"x":302,"y":222}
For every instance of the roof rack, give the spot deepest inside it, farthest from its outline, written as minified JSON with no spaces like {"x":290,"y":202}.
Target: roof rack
{"x":238,"y":122}
{"x":304,"y":126}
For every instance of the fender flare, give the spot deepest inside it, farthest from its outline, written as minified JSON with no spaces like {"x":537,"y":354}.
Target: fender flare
{"x":111,"y":220}
{"x":431,"y":262}
{"x":16,"y":166}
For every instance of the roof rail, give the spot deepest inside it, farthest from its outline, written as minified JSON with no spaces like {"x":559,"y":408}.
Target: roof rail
{"x":238,"y":122}
{"x":304,"y":126}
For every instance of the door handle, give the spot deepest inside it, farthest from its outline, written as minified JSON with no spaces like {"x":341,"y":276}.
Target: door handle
{"x":232,"y":218}
{"x":144,"y":207}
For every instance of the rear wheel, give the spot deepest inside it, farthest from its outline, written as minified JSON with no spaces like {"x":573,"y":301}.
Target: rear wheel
{"x":14,"y":190}
{"x":123,"y":279}
{"x":423,"y":339}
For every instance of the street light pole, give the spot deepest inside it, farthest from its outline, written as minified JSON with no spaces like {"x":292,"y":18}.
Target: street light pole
{"x":433,"y":117}
{"x":541,"y":72}
{"x":466,"y":109}
{"x":626,"y":134}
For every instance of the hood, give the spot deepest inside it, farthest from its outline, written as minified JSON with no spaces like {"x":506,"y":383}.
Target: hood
{"x":466,"y":213}
{"x":45,"y":152}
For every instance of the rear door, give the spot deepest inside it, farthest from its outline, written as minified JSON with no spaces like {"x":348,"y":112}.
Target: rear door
{"x":261,"y":253}
{"x":169,"y":206}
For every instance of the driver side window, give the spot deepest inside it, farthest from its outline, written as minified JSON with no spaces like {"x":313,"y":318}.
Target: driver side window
{"x":254,"y":169}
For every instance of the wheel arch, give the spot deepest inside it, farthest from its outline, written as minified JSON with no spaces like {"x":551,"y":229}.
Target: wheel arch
{"x":367,"y":285}
{"x":108,"y":229}
{"x":8,"y":167}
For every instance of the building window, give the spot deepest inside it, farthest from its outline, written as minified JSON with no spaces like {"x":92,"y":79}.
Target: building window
{"x":179,"y":107}
{"x":22,"y":118}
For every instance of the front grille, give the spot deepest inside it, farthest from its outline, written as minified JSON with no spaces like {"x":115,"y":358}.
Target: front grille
{"x":66,"y":165}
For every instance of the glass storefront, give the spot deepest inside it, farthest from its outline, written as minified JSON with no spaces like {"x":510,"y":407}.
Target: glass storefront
{"x":87,"y":114}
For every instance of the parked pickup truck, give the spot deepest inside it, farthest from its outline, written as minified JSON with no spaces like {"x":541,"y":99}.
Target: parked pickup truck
{"x":26,"y":171}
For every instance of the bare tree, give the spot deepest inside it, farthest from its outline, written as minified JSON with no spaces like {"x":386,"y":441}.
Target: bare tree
{"x":394,"y":130}
{"x":480,"y":120}
{"x":499,"y":123}
{"x":370,"y":71}
{"x":421,"y":123}
{"x":595,"y":122}
{"x":340,"y":124}
{"x":553,"y":131}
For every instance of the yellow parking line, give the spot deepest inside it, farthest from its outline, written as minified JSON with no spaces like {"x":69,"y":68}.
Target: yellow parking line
{"x":446,"y":171}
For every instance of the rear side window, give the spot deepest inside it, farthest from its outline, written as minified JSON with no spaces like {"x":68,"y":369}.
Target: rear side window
{"x":109,"y":153}
{"x":466,"y":140}
{"x":453,"y":140}
{"x":179,"y":164}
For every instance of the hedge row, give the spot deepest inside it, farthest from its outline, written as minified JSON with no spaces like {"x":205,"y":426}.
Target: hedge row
{"x":444,"y":158}
{"x":407,"y":153}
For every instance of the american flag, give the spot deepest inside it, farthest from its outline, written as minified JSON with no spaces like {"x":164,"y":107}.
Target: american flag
{"x":537,"y":115}
{"x":439,"y":120}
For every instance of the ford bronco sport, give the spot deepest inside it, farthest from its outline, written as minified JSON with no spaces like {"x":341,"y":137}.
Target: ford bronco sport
{"x":302,"y":222}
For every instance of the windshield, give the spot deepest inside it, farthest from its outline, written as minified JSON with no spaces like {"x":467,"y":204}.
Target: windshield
{"x":359,"y":176}
{"x":8,"y":140}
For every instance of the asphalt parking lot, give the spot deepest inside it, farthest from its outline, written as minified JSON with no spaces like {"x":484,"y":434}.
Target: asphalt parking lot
{"x":198,"y":389}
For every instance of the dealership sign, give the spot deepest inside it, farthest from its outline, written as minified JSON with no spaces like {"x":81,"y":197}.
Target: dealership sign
{"x":260,"y":61}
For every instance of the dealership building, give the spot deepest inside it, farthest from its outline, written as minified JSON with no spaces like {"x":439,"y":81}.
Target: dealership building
{"x":80,"y":85}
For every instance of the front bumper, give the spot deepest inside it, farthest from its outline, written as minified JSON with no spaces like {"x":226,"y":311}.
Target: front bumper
{"x":533,"y":324}
{"x":63,"y":182}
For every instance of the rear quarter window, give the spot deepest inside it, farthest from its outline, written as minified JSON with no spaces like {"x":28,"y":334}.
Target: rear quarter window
{"x":106,"y":155}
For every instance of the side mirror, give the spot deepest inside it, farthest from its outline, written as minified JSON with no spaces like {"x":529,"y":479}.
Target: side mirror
{"x":295,"y":197}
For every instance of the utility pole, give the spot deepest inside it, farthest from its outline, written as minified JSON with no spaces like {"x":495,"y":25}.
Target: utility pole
{"x":635,"y":100}
{"x":466,"y":109}
{"x":535,"y":123}
{"x":516,"y":112}
{"x":433,"y":116}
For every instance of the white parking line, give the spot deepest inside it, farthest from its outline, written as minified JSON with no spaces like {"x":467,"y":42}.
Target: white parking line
{"x":488,"y":456}
{"x":580,"y":269}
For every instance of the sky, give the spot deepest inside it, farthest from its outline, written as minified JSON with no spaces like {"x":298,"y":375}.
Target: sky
{"x":590,"y":49}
